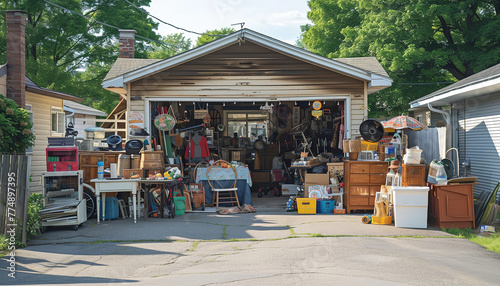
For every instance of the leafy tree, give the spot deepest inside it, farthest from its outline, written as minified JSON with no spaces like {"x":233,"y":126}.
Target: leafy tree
{"x":213,"y":35}
{"x":416,"y":41}
{"x":15,"y":127}
{"x":62,"y":48}
{"x":176,"y":44}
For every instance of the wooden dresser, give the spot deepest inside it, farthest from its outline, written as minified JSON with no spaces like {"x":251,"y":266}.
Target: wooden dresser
{"x":413,"y":175}
{"x":89,"y":159}
{"x":362,"y":179}
{"x":451,"y":206}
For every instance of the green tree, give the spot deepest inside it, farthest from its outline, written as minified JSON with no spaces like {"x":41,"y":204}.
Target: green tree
{"x":15,"y":127}
{"x":416,"y":41}
{"x":209,"y":36}
{"x":63,"y":47}
{"x":175,"y":44}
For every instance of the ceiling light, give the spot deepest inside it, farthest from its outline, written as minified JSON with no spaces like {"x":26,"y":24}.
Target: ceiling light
{"x":309,"y":103}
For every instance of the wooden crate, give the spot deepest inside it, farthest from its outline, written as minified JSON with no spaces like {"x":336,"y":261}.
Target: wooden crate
{"x":151,"y":159}
{"x":127,"y":173}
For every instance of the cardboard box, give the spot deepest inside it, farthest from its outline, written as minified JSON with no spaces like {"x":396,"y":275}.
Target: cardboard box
{"x":289,"y":189}
{"x":335,"y":168}
{"x":315,"y":179}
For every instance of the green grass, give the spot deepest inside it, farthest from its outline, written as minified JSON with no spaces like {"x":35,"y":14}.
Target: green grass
{"x":4,"y":244}
{"x":490,"y":242}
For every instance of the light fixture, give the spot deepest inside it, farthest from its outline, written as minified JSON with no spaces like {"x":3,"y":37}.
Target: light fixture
{"x":254,"y":103}
{"x":309,"y":103}
{"x":179,"y":103}
{"x":324,"y":102}
{"x":295,"y":102}
{"x":223,"y":104}
{"x":235,"y":102}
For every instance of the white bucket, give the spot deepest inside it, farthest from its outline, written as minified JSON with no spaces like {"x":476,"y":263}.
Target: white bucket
{"x":412,"y":156}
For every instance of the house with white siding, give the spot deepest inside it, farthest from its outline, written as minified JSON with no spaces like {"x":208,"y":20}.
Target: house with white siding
{"x":471,"y":110}
{"x":45,"y":105}
{"x":81,"y":116}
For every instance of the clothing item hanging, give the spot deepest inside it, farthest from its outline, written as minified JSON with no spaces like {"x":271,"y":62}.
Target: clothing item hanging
{"x":199,"y":147}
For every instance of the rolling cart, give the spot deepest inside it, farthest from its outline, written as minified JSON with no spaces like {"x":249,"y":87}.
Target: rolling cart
{"x":63,"y":199}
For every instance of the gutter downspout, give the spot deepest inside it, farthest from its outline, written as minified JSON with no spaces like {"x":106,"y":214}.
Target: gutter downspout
{"x":445,"y":114}
{"x":449,"y":128}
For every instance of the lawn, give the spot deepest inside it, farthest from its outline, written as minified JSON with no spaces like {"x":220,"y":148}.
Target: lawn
{"x":490,"y":242}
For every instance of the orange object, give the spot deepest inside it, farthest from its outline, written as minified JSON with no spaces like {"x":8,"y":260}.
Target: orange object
{"x":135,"y":176}
{"x":339,"y":211}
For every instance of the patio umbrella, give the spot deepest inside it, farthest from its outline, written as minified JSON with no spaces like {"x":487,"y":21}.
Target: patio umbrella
{"x":404,"y":122}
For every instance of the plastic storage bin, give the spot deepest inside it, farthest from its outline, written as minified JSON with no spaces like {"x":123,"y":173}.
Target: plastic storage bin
{"x":306,"y":205}
{"x":111,"y":211}
{"x":326,"y":207}
{"x":410,"y":206}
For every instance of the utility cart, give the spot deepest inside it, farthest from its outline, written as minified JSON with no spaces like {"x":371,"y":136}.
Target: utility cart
{"x":63,"y":199}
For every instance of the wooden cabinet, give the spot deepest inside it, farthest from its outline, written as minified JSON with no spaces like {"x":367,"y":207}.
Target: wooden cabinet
{"x":362,"y":180}
{"x":451,"y":206}
{"x":89,"y":159}
{"x":413,"y":175}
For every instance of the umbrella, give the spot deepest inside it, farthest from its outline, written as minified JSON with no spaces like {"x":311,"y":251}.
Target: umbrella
{"x":404,"y":122}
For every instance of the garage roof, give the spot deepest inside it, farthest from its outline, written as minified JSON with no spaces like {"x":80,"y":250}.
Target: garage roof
{"x":484,"y":82}
{"x":365,"y":68}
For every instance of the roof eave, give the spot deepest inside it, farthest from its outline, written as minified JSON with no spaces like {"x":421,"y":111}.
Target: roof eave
{"x":465,"y":92}
{"x":51,"y":93}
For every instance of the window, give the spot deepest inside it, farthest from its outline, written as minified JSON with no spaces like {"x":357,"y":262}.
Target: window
{"x":419,"y":118}
{"x":58,"y":119}
{"x":29,"y":108}
{"x":249,"y":124}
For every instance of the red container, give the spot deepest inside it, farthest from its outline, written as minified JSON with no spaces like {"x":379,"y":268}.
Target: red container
{"x":62,"y":159}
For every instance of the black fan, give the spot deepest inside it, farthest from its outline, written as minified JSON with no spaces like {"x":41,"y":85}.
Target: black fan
{"x":371,"y":130}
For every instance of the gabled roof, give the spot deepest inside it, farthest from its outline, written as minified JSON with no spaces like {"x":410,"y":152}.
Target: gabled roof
{"x":81,"y":109}
{"x":484,"y":82}
{"x":33,"y":87}
{"x":366,"y":69}
{"x":124,"y":65}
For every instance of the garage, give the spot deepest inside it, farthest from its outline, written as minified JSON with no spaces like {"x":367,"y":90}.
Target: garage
{"x":256,"y":96}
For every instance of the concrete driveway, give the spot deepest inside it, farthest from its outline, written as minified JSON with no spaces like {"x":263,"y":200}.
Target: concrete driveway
{"x":268,"y":247}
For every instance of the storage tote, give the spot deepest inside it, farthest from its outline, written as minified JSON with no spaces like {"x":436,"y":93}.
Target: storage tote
{"x":306,"y":205}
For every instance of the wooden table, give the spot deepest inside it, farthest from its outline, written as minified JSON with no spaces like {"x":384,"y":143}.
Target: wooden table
{"x":303,"y":169}
{"x":112,"y":186}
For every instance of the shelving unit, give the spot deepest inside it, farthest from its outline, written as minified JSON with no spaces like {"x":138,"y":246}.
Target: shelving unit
{"x":63,"y":199}
{"x":62,"y":158}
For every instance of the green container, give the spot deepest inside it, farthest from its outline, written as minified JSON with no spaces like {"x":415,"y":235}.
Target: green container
{"x":180,"y":205}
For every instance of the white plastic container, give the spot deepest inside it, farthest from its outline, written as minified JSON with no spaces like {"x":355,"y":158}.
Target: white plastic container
{"x":412,"y":156}
{"x":410,"y":206}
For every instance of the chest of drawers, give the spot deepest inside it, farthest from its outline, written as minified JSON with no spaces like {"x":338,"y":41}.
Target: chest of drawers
{"x":362,"y":180}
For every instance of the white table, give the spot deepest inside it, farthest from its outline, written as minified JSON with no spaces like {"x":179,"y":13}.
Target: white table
{"x":112,"y":186}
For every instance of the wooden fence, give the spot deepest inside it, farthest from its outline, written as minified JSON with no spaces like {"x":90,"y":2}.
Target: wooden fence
{"x":14,"y":183}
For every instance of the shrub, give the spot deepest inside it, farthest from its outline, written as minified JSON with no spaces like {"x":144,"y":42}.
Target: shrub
{"x":15,"y":127}
{"x":33,"y":223}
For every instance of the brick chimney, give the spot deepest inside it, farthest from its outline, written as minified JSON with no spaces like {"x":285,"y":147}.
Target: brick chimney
{"x":127,"y":41}
{"x":16,"y":42}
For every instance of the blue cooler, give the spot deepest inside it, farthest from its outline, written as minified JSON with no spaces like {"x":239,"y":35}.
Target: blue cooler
{"x":111,"y":208}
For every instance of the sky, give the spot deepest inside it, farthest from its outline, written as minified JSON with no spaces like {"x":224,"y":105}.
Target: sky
{"x":280,"y":19}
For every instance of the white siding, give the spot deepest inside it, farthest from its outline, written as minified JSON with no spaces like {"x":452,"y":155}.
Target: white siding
{"x":41,"y":125}
{"x":479,"y":139}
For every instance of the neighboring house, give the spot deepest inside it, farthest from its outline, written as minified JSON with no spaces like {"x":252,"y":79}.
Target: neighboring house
{"x":81,"y":116}
{"x":45,"y":105}
{"x":244,"y":68}
{"x":473,"y":114}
